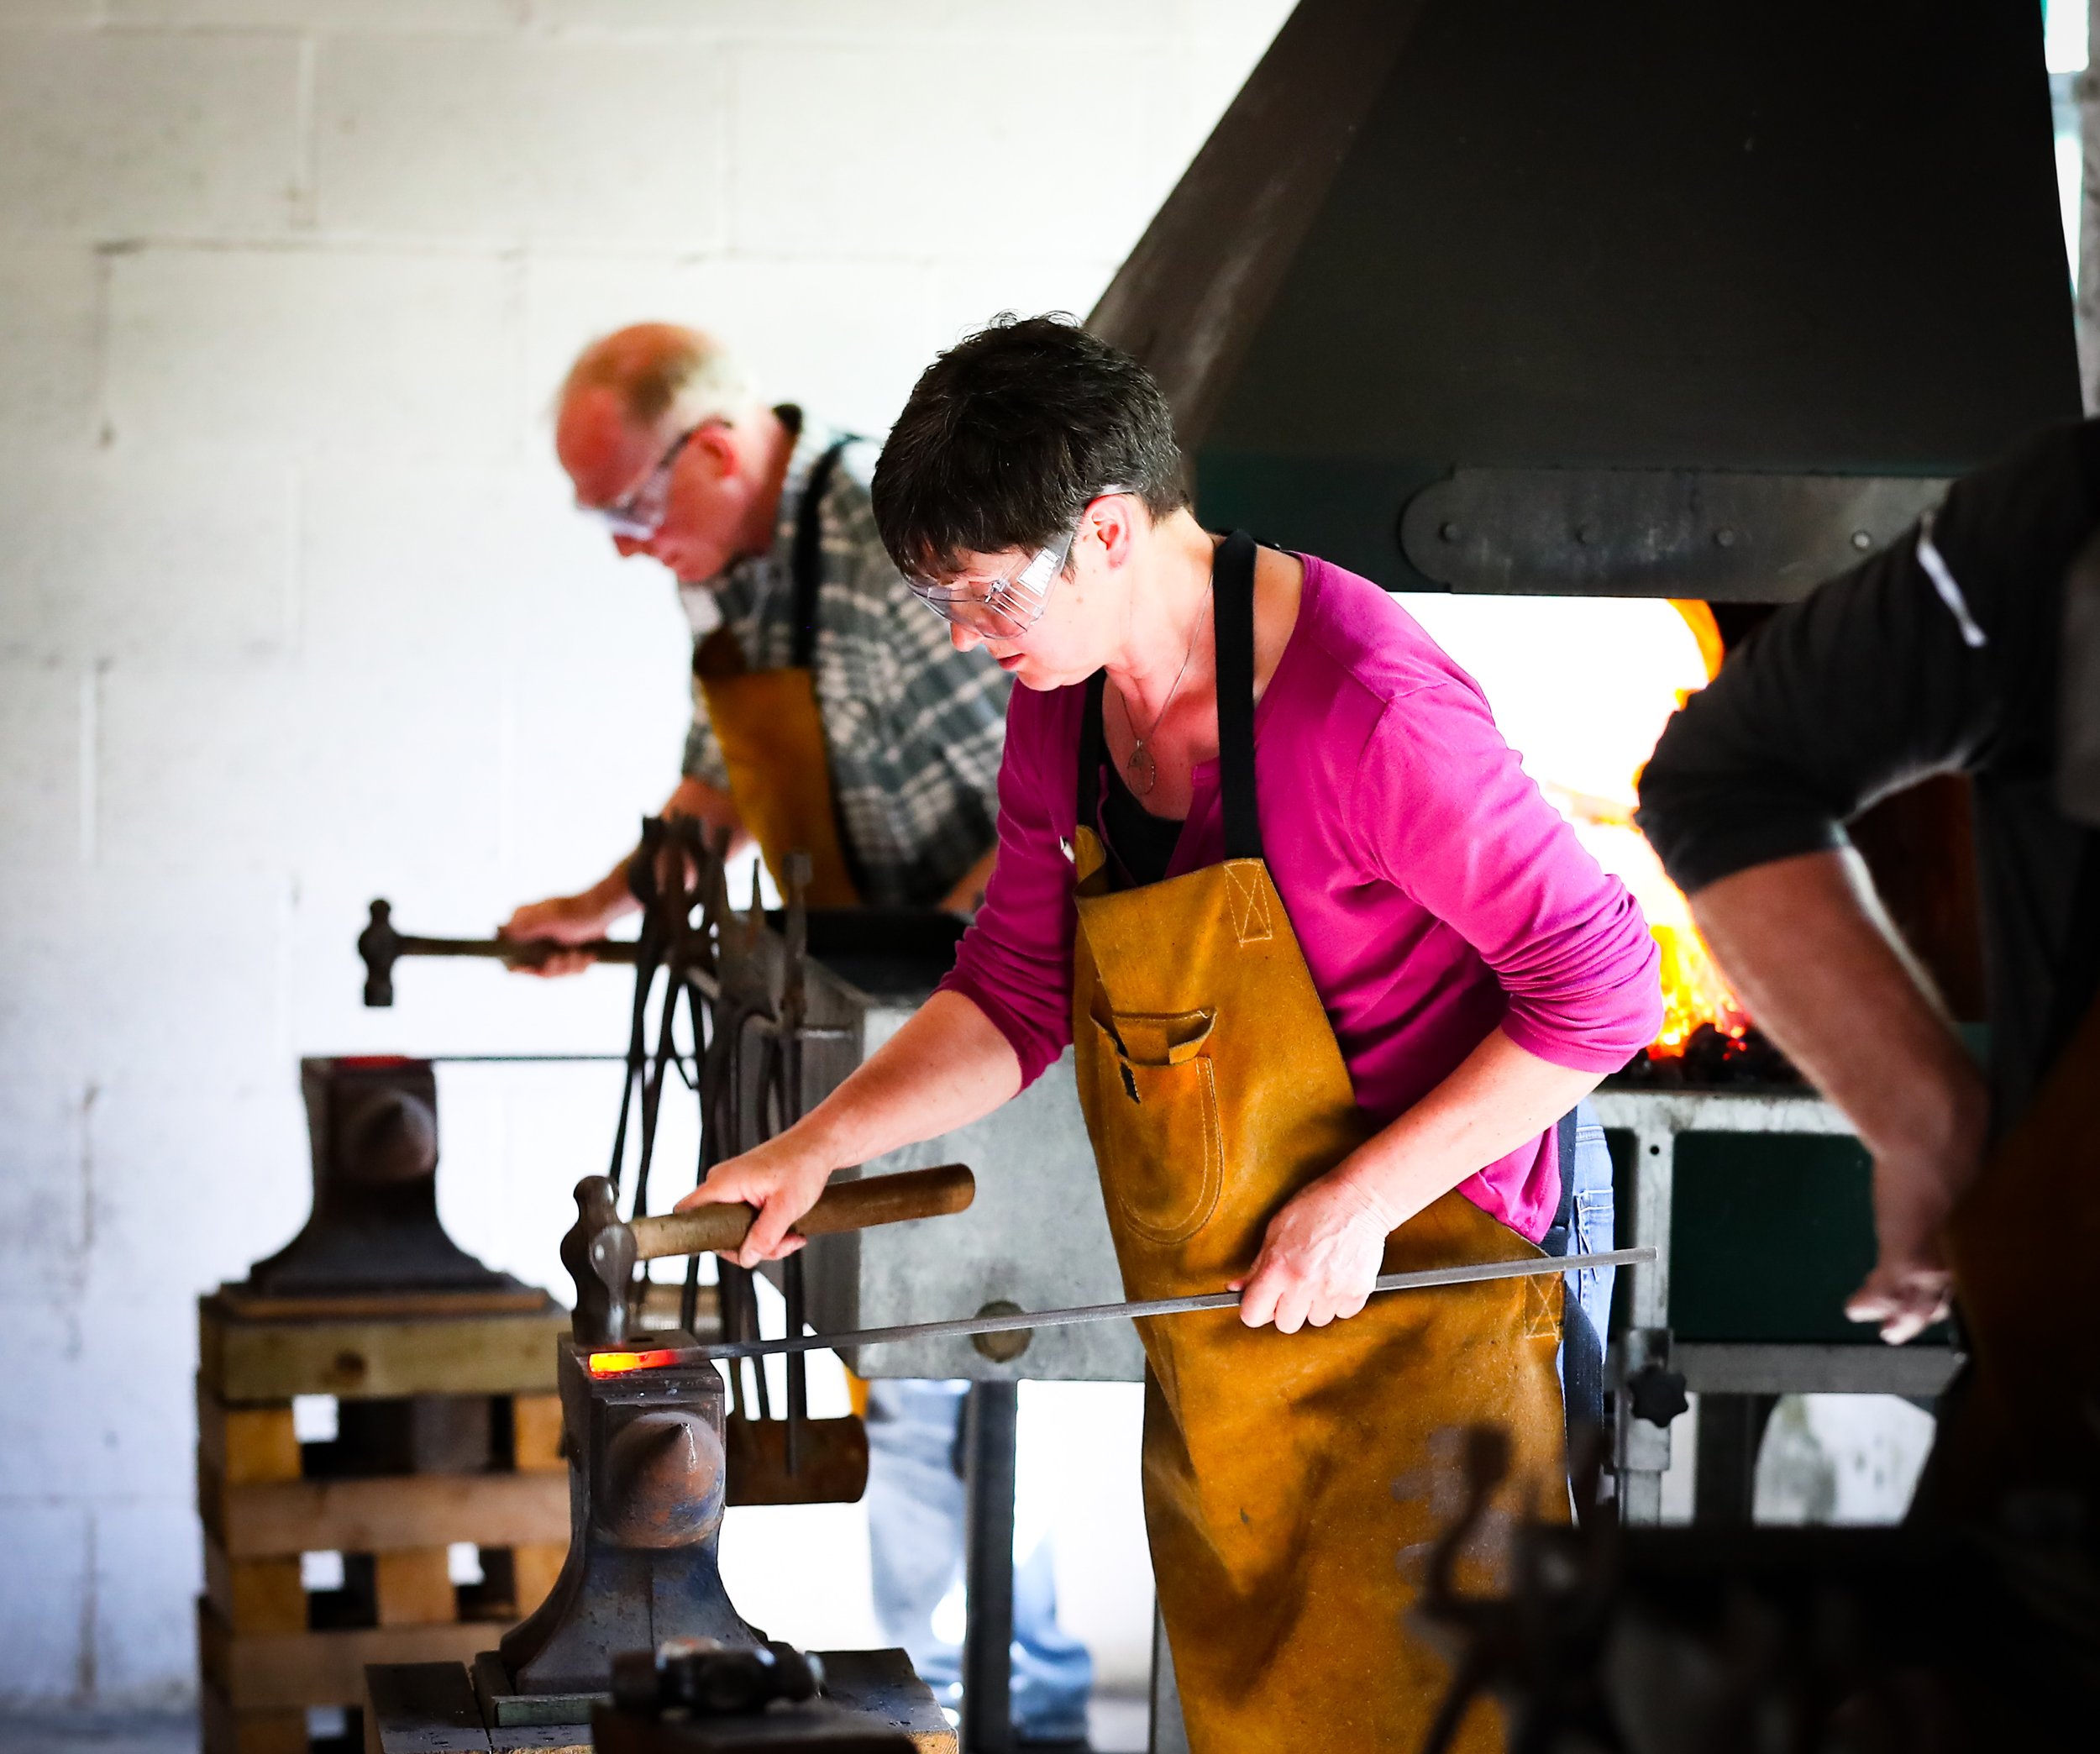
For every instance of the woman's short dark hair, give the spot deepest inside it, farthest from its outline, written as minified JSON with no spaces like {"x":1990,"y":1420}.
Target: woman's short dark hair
{"x":1007,"y":436}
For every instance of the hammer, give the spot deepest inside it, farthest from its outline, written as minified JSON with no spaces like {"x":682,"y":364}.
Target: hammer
{"x":601,"y":1250}
{"x":380,"y":945}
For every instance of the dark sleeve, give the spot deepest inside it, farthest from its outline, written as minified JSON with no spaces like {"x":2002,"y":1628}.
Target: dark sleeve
{"x":1868,"y":685}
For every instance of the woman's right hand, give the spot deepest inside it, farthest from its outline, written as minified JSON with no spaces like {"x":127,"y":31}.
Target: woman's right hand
{"x":782,"y":1179}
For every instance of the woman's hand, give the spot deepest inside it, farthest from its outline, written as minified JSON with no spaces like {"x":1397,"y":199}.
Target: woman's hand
{"x":781,"y":1177}
{"x":1319,"y":1259}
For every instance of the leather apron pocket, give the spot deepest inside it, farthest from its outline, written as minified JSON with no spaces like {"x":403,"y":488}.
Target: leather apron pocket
{"x":1157,"y":1094}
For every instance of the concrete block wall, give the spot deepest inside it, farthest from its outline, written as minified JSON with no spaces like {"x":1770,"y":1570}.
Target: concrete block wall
{"x":292,"y":611}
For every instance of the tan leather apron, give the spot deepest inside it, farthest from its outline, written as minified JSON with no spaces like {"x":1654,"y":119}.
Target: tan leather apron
{"x":771,"y":729}
{"x":1287,"y":1478}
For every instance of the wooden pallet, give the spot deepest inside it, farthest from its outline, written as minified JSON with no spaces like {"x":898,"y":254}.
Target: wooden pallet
{"x":449,"y":1431}
{"x":250,"y":1359}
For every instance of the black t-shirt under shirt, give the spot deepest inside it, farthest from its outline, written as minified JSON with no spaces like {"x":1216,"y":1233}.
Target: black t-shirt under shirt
{"x":1140,"y":844}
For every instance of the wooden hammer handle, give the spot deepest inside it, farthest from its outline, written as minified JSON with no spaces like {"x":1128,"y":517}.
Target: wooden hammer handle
{"x":845,"y":1206}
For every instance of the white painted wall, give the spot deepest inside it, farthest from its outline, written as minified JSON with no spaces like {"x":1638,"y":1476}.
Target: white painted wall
{"x":292,"y":612}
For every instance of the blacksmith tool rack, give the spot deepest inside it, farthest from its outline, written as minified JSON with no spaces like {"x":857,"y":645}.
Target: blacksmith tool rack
{"x":745,"y":994}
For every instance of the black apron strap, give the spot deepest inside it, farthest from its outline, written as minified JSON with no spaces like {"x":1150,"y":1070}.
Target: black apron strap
{"x":808,"y":562}
{"x":1090,"y":790}
{"x":1232,"y":597}
{"x":1564,"y":1160}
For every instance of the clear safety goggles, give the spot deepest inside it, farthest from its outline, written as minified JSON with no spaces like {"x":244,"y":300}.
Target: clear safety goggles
{"x":640,"y":515}
{"x":1004,"y":608}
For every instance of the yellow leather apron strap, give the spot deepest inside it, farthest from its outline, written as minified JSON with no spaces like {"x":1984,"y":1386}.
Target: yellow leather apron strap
{"x":1287,"y":1478}
{"x":771,"y":727}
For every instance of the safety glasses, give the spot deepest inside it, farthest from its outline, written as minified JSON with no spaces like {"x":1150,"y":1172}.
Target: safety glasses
{"x":641,"y":514}
{"x":1004,"y":608}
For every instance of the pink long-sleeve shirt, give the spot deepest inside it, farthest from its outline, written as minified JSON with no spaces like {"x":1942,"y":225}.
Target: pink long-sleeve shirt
{"x":1435,"y":893}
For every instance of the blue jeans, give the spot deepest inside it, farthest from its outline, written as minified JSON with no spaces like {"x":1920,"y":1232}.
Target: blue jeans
{"x":1587,"y":1228}
{"x":1593,"y":1219}
{"x":914,"y":1546}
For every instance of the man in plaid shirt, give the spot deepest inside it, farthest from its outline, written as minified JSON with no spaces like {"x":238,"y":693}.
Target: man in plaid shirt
{"x":667,"y":444}
{"x":914,"y":726}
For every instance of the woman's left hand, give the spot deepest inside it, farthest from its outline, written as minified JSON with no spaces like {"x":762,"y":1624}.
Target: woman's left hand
{"x":1319,"y":1259}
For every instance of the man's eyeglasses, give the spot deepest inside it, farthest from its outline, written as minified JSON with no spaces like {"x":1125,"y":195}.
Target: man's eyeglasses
{"x":1004,"y":608}
{"x":641,"y":514}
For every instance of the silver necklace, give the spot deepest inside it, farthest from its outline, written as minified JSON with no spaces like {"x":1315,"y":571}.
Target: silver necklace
{"x":1139,"y":768}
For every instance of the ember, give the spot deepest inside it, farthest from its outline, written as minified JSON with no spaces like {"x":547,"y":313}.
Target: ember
{"x":1709,"y":1058}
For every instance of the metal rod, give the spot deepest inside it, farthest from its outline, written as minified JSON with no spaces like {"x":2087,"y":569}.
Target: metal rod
{"x":535,"y":1059}
{"x":1428,"y":1278}
{"x":990,"y":1431}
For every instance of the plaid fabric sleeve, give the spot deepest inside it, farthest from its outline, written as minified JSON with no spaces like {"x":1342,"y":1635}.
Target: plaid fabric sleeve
{"x":916,"y":729}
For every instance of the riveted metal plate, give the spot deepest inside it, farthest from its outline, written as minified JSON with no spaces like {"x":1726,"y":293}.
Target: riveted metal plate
{"x":1726,"y":536}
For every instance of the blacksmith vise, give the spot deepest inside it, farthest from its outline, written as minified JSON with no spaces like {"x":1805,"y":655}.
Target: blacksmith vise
{"x":650,"y":1452}
{"x":647,"y":1488}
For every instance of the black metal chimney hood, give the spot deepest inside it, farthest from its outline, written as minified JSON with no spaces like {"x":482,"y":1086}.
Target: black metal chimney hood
{"x":1632,"y":298}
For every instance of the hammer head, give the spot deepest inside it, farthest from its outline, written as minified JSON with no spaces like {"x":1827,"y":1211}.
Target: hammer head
{"x":378,"y":944}
{"x":598,"y":1253}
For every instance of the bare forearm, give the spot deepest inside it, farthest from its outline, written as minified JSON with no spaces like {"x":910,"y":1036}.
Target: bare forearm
{"x":1806,"y":946}
{"x":1497,"y":1098}
{"x":947,"y":1067}
{"x":1321,"y":1251}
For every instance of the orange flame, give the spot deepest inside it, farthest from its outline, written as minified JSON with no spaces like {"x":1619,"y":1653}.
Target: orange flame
{"x":1693,"y":992}
{"x":1587,"y":685}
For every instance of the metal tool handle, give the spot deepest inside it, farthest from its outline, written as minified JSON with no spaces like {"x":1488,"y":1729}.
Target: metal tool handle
{"x":381,"y":947}
{"x":520,"y":952}
{"x":849,"y":1206}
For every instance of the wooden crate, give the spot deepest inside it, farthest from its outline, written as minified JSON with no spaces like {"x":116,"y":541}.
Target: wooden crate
{"x":248,"y":1359}
{"x":450,"y":1432}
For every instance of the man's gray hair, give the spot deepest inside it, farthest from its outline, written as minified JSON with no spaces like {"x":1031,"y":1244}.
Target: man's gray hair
{"x":660,"y":368}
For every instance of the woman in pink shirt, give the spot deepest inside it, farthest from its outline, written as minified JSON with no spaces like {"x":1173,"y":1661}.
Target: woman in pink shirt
{"x":1334,"y":973}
